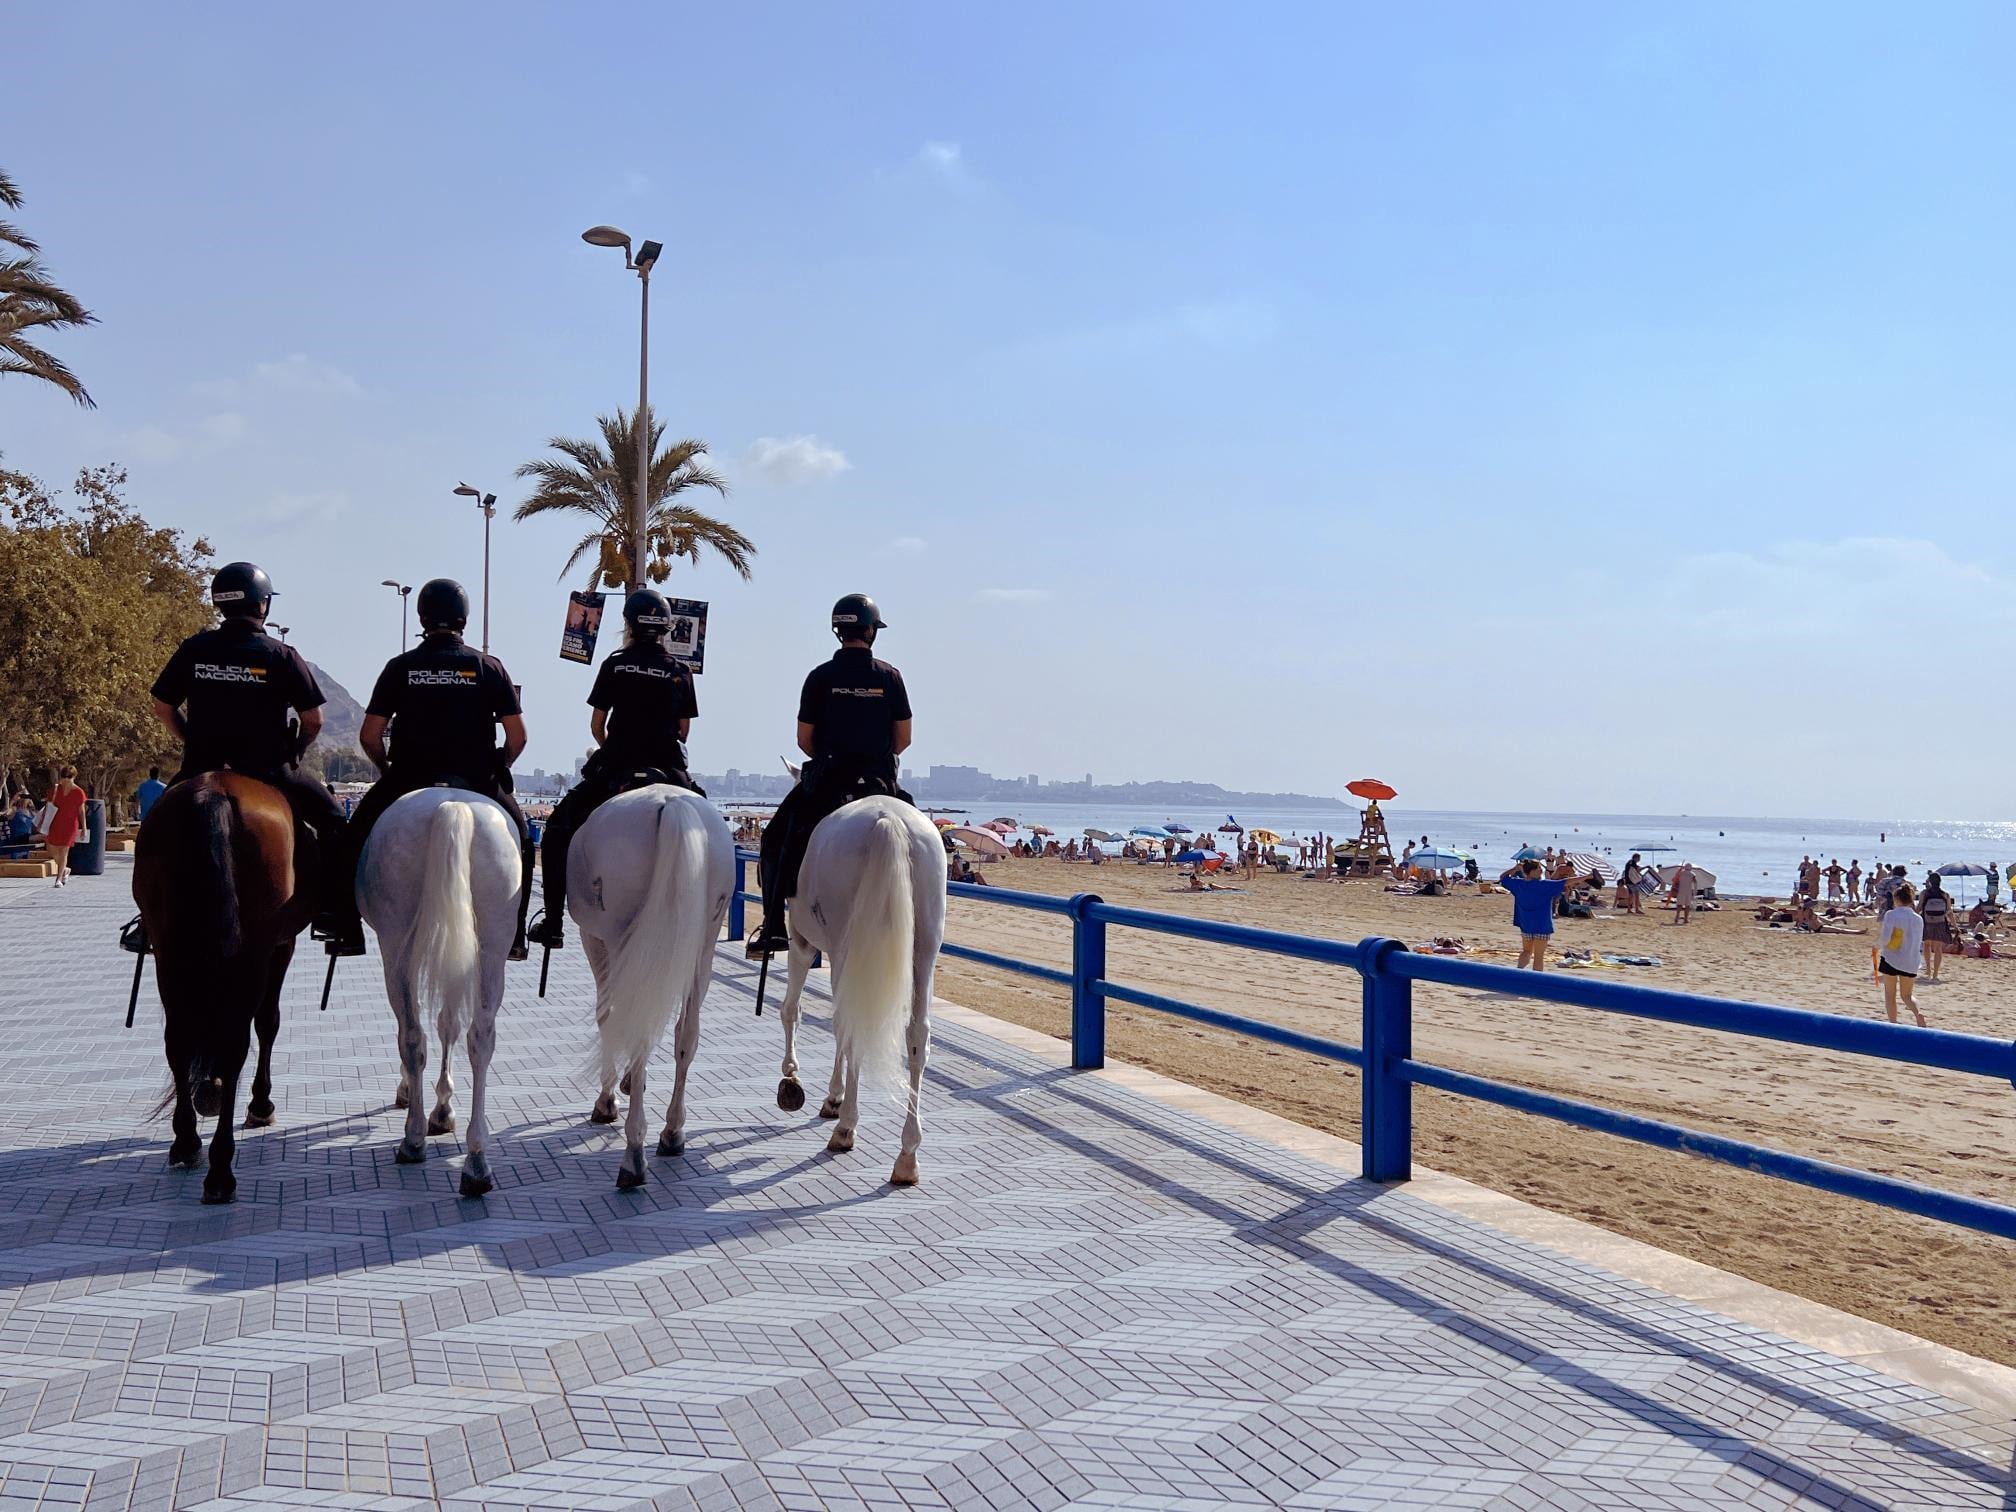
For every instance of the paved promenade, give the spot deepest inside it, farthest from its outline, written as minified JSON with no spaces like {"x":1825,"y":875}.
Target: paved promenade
{"x":1093,"y":1300}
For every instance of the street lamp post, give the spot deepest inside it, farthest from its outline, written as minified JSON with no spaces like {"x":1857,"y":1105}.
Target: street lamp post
{"x":640,"y":264}
{"x":488,"y":503}
{"x":403,"y":590}
{"x":283,"y":629}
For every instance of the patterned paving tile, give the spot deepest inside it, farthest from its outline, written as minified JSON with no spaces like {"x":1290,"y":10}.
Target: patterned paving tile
{"x":1093,"y":1301}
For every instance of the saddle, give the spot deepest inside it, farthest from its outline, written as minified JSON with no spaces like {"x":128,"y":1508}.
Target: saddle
{"x":629,"y":779}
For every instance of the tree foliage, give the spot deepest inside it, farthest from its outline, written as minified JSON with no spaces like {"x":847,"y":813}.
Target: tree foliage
{"x":31,"y":303}
{"x":96,"y":601}
{"x":596,"y":481}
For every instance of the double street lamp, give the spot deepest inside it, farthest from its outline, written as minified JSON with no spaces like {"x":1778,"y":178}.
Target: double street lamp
{"x":488,"y":504}
{"x":404,"y":590}
{"x":640,"y":264}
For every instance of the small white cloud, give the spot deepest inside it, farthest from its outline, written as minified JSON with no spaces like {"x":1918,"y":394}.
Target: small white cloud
{"x":170,"y":443}
{"x":943,"y":157}
{"x":1803,"y":587}
{"x":287,"y":508}
{"x":224,"y":428}
{"x":635,"y":182}
{"x":1013,"y":595}
{"x":299,"y":374}
{"x":908,"y":545}
{"x":156,"y":443}
{"x":796,"y":459}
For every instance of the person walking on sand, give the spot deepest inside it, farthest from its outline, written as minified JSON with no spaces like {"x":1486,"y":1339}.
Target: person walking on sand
{"x":1900,"y":953}
{"x":68,"y":801}
{"x":1533,"y":899}
{"x":1685,"y":885}
{"x":1936,"y":909}
{"x":1628,"y":882}
{"x":1855,"y":880}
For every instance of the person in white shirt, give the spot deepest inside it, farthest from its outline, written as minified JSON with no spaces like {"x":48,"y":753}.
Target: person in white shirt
{"x":1900,"y":950}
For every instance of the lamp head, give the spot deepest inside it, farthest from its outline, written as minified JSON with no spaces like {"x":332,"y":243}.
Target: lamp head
{"x":390,"y":584}
{"x":465,"y":491}
{"x":606,"y":236}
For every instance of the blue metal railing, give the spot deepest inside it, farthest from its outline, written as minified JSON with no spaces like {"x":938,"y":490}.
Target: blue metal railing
{"x":1385,"y":1052}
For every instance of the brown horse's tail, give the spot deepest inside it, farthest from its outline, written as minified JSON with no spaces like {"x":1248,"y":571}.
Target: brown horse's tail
{"x":220,"y":822}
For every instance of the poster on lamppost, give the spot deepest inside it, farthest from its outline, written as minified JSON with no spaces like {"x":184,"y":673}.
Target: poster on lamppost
{"x":584,"y":623}
{"x":687,"y":639}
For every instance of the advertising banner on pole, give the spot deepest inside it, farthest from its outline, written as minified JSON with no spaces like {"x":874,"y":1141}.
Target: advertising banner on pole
{"x":584,"y":623}
{"x":687,"y":639}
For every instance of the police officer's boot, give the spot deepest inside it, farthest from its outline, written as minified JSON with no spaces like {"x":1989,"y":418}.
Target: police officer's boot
{"x":343,"y":934}
{"x":549,"y":929}
{"x":771,"y":936}
{"x":133,"y":936}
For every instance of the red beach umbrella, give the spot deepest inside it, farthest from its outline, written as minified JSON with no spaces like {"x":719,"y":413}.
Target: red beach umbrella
{"x":1371,"y":787}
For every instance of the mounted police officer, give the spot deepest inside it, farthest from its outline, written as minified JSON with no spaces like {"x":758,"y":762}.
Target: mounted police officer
{"x":227,"y":693}
{"x":853,"y":722}
{"x":440,"y":703}
{"x":644,"y":707}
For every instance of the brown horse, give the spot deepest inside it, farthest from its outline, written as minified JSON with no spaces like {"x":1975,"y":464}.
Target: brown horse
{"x":216,"y":878}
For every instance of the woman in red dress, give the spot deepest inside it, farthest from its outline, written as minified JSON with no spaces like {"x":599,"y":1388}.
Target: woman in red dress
{"x":69,"y":801}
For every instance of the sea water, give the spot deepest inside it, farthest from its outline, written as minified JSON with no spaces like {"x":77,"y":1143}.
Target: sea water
{"x":1748,"y":856}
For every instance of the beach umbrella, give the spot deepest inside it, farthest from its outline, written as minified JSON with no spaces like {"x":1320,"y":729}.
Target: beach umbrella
{"x":1526,"y":853}
{"x":1188,"y":856}
{"x":1148,"y":832}
{"x":1100,"y":835}
{"x":1041,"y":829}
{"x":1371,"y":787}
{"x":1655,"y":850}
{"x":1265,"y":836}
{"x":975,"y":838}
{"x":1703,"y":878}
{"x":1002,"y":819}
{"x":1962,"y":869}
{"x":1178,"y":829}
{"x":1437,"y":860}
{"x":1000,"y":826}
{"x":943,"y":824}
{"x":1586,"y":863}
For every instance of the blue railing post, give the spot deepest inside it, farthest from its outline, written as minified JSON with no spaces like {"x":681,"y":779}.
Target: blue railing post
{"x":1088,"y":969}
{"x":1386,"y":1123}
{"x":736,"y":923}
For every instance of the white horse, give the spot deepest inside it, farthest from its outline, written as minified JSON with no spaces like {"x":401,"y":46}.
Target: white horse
{"x":648,"y":879}
{"x":439,"y":882}
{"x":871,"y":894}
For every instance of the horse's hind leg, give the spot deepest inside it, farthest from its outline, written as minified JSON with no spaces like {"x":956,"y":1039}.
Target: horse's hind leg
{"x":849,"y":1102}
{"x":790,"y":1091}
{"x":219,"y":1185}
{"x":917,"y":1046}
{"x":604,"y":1111}
{"x":442,"y":1119}
{"x":259,"y":1111}
{"x":686,"y":1040}
{"x":412,"y":1068}
{"x":482,"y":1043}
{"x":632,"y":1173}
{"x":188,"y":1143}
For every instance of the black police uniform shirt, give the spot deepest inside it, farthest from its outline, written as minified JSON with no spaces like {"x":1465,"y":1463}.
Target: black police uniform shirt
{"x":444,"y":698}
{"x":854,"y":704}
{"x":238,"y":683}
{"x":646,"y":691}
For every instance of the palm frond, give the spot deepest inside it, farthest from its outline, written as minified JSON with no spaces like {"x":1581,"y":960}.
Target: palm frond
{"x":24,"y":360}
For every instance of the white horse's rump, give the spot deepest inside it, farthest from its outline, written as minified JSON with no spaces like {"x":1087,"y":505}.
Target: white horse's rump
{"x":871,"y":894}
{"x":439,"y":881}
{"x":648,"y":878}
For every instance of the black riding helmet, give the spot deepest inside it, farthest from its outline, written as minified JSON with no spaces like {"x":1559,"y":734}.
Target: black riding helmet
{"x":241,"y":591}
{"x":855,"y":617}
{"x":444,"y":605}
{"x":647,"y":613}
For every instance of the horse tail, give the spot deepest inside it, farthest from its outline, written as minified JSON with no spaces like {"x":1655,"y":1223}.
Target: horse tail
{"x":872,"y":984}
{"x":660,"y":951}
{"x":444,"y":951}
{"x":221,"y":930}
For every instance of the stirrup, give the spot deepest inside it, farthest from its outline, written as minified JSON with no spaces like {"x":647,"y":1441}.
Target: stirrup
{"x":548,"y":930}
{"x":766,"y":942}
{"x":133,"y":936}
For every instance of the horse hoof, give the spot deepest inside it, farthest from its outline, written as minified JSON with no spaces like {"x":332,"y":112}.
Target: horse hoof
{"x":603,"y":1113}
{"x":440,"y":1123}
{"x":628,"y":1180}
{"x":841,"y":1142}
{"x":210,"y":1099}
{"x":790,"y":1094}
{"x":402,"y":1098}
{"x":671,"y":1144}
{"x":476,"y":1186}
{"x":905,"y":1173}
{"x":624,"y":1085}
{"x":181,"y":1159}
{"x":218,"y":1196}
{"x":830,"y":1108}
{"x":259,"y":1118}
{"x":410,"y":1154}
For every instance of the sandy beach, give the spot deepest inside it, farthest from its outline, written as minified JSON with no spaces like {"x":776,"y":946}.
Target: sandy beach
{"x":1944,"y":1129}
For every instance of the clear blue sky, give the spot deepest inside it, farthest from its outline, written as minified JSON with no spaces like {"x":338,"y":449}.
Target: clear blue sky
{"x":1589,"y":407}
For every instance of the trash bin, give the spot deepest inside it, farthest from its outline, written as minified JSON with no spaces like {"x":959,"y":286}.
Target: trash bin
{"x":87,"y":856}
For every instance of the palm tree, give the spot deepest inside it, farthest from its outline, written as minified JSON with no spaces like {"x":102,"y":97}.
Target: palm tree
{"x":30,"y":301}
{"x":583,"y":480}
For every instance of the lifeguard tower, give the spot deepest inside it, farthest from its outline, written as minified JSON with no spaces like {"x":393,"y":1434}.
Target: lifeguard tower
{"x":1372,"y":851}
